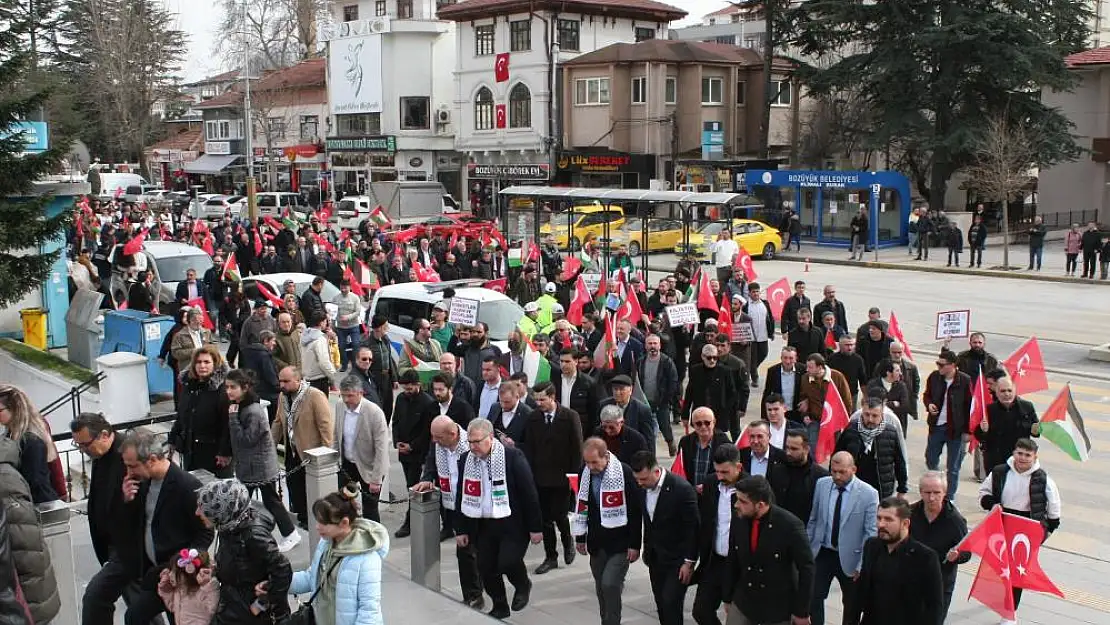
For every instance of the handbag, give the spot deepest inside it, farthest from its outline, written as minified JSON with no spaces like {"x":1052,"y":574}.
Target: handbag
{"x":304,"y":614}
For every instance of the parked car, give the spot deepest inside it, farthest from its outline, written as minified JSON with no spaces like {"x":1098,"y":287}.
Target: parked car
{"x":275,"y":203}
{"x":757,"y":238}
{"x":217,"y":206}
{"x":662,"y":235}
{"x":168,"y":261}
{"x":584,"y":223}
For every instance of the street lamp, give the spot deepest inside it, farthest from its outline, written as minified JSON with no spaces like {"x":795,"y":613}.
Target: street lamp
{"x":252,"y":204}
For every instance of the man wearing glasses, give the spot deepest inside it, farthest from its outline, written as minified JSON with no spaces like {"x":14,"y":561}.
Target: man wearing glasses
{"x":696,"y":448}
{"x":947,"y":399}
{"x":713,"y":387}
{"x":420,"y":348}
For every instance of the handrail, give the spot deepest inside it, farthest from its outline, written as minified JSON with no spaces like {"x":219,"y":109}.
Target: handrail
{"x":70,"y":395}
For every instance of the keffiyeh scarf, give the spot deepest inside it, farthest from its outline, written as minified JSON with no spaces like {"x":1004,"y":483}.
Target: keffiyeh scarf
{"x":443,"y":468}
{"x":291,"y":408}
{"x":614,"y":508}
{"x":869,"y":436}
{"x":480,"y":474}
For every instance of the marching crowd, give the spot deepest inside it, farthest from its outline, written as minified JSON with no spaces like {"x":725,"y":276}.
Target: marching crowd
{"x":550,"y":441}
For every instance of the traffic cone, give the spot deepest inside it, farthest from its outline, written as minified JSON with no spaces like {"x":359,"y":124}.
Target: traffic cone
{"x":807,"y":266}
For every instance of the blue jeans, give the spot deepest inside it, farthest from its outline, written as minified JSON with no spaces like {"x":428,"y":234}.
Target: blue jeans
{"x":662,"y":422}
{"x":939,"y":441}
{"x":1036,"y":253}
{"x":349,"y":339}
{"x":912,"y":243}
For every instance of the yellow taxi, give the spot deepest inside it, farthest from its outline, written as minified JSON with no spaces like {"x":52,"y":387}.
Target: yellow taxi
{"x":662,"y":235}
{"x":583,"y":223}
{"x":757,"y":238}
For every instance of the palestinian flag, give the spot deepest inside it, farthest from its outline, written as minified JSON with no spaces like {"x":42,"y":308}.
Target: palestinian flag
{"x":426,"y":370}
{"x":535,"y":366}
{"x":368,"y":278}
{"x":289,"y":220}
{"x":1063,"y":425}
{"x":379,"y":218}
{"x":231,"y":269}
{"x":518,"y":254}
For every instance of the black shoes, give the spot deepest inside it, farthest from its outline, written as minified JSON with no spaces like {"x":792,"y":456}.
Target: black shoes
{"x":520,"y":598}
{"x":547,"y":566}
{"x":568,"y":552}
{"x":402,"y":532}
{"x":500,"y":612}
{"x":476,"y":603}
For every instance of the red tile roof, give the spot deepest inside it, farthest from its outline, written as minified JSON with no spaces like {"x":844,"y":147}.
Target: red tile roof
{"x":1096,"y":56}
{"x":185,"y":140}
{"x":642,"y":9}
{"x":673,"y":51}
{"x":308,"y":74}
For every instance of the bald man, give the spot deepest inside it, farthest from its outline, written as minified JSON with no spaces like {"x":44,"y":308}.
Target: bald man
{"x":441,"y":470}
{"x":843,"y":518}
{"x":1009,"y":419}
{"x":462,"y":387}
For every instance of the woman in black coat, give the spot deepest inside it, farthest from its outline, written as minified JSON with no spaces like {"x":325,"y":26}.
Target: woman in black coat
{"x":236,"y":310}
{"x":890,"y":388}
{"x":201,"y":431}
{"x":249,"y":566}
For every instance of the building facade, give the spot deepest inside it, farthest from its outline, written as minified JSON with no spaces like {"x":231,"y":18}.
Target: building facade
{"x":390,"y":94}
{"x":508,"y":66}
{"x":732,"y":25}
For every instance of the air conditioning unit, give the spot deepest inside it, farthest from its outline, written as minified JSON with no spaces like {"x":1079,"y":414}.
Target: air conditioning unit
{"x":443,"y":116}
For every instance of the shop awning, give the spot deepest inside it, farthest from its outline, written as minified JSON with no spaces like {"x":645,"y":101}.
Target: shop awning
{"x":211,"y":163}
{"x":635,"y":195}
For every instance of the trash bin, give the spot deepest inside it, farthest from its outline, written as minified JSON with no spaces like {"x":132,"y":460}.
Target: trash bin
{"x":84,"y":328}
{"x":34,"y":327}
{"x":140,"y":332}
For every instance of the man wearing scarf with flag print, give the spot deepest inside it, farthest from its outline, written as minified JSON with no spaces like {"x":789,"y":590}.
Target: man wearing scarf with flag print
{"x":499,"y":512}
{"x":607,"y":524}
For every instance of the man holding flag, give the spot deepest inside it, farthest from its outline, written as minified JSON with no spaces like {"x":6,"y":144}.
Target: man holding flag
{"x":1008,"y":419}
{"x":947,"y":399}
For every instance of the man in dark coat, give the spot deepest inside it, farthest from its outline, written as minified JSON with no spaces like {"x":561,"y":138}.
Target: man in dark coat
{"x":637,"y":414}
{"x":785,"y":380}
{"x":620,"y":439}
{"x":948,"y":395}
{"x":792,"y":305}
{"x":712,"y":386}
{"x":576,"y":391}
{"x":795,"y":492}
{"x":412,"y":436}
{"x":876,"y":447}
{"x":938,"y":525}
{"x":1008,"y":419}
{"x":715,"y":508}
{"x":830,"y":303}
{"x":806,"y":338}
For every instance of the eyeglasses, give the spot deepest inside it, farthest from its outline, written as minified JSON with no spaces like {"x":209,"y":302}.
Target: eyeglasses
{"x":475,"y":442}
{"x":709,"y":358}
{"x":699,"y":424}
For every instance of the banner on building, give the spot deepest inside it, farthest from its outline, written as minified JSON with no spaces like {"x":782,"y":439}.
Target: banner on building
{"x":355,"y":75}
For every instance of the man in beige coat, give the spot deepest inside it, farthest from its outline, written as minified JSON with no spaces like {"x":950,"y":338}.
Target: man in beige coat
{"x":362,"y":438}
{"x":189,"y":339}
{"x":287,"y":352}
{"x":303,"y":412}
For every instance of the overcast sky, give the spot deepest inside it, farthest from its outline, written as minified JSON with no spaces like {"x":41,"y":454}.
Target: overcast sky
{"x":200,"y":20}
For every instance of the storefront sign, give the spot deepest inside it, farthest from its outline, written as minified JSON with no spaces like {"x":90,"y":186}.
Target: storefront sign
{"x":611,"y":162}
{"x":386,"y":143}
{"x":217,"y":147}
{"x":537,"y":171}
{"x":712,"y":141}
{"x":35,"y":135}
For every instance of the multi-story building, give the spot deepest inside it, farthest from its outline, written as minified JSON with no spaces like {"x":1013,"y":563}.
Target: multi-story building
{"x":1100,"y":23}
{"x":508,"y":65}
{"x":733,"y":25}
{"x":390,"y":94}
{"x":635,"y":111}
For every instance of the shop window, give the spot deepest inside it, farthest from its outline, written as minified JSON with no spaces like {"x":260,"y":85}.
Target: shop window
{"x":415,"y":113}
{"x":483,"y":39}
{"x":483,"y":109}
{"x":520,"y":36}
{"x":568,"y":35}
{"x":520,"y":107}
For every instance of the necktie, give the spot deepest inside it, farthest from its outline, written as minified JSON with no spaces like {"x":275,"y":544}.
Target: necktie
{"x":755,"y":535}
{"x":836,"y":518}
{"x":550,"y":417}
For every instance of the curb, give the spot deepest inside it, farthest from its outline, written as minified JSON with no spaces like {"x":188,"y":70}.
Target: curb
{"x":1016,"y":275}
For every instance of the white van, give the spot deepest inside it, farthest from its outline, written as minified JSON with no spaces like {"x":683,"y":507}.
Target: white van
{"x":111,"y":184}
{"x":352,"y":209}
{"x":274,"y":204}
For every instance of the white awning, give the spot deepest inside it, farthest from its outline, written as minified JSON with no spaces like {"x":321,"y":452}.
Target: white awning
{"x":627,"y":195}
{"x":211,"y":163}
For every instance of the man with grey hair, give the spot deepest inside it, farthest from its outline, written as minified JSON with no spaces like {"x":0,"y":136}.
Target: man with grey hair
{"x":622,"y":441}
{"x":911,"y":377}
{"x":362,"y":438}
{"x":711,"y":386}
{"x":166,"y":496}
{"x":938,"y":525}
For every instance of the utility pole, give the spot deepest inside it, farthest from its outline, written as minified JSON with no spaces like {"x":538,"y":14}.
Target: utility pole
{"x":768,"y":96}
{"x":252,"y":204}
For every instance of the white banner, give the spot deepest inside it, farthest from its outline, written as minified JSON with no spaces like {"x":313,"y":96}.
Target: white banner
{"x":682,"y":314}
{"x":355,"y":75}
{"x":953,"y":324}
{"x":463,"y":311}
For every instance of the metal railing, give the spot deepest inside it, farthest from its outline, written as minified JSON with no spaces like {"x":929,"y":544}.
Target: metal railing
{"x":72,"y":396}
{"x":1019,"y":229}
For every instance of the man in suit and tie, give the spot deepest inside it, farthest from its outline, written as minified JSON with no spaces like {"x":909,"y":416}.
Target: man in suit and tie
{"x":716,"y":513}
{"x":770,"y":572}
{"x":168,"y":500}
{"x":447,"y":404}
{"x":670,"y":534}
{"x":191,"y":288}
{"x":785,"y":379}
{"x":760,"y":457}
{"x":629,"y":351}
{"x":844,"y":516}
{"x":509,"y":415}
{"x":553,"y":446}
{"x":637,"y":414}
{"x":575,"y":390}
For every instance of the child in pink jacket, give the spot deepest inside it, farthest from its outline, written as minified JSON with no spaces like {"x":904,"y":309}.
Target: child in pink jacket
{"x":188,"y":589}
{"x":1071,"y":248}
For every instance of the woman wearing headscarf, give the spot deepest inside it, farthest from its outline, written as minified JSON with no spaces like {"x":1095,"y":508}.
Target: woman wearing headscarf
{"x":254,"y":576}
{"x":200,"y":432}
{"x":346,"y":569}
{"x":39,"y":462}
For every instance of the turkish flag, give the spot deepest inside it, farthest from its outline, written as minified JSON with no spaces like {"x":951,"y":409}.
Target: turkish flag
{"x":612,"y":499}
{"x":777,"y":295}
{"x":724,"y":318}
{"x":575,"y":313}
{"x":572,"y":479}
{"x":705,"y":298}
{"x":205,"y":320}
{"x":745,"y":440}
{"x":135,"y":245}
{"x":678,"y":467}
{"x":1025,"y":537}
{"x":744,"y":261}
{"x":356,"y":285}
{"x":830,"y":340}
{"x":500,"y":115}
{"x":269,"y":295}
{"x":445,"y":484}
{"x":501,"y":68}
{"x":498,"y":285}
{"x":630,"y":309}
{"x":472,"y":488}
{"x":896,"y":331}
{"x":993,"y":590}
{"x":980,"y":399}
{"x":1026,"y":367}
{"x":834,"y":417}
{"x":571,"y":266}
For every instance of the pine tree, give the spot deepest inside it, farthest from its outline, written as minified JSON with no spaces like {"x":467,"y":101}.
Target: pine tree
{"x":24,"y":226}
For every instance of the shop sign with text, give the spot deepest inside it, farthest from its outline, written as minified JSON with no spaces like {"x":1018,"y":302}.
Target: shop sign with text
{"x":526,"y":171}
{"x":386,"y":143}
{"x":595,"y":163}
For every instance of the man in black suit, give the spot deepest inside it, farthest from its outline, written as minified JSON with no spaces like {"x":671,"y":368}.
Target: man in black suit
{"x":576,"y":391}
{"x":499,"y":512}
{"x":716,"y":513}
{"x":553,"y":446}
{"x":800,"y":474}
{"x":792,"y":305}
{"x":670,"y":534}
{"x":190,"y":288}
{"x":770,"y":572}
{"x":509,"y":415}
{"x":607,"y":524}
{"x":712,"y":385}
{"x":785,"y":379}
{"x":900,"y":578}
{"x":760,"y":457}
{"x":412,"y":427}
{"x":629,"y":350}
{"x":697,"y":447}
{"x":166,"y":496}
{"x":637,"y":414}
{"x":455,"y":407}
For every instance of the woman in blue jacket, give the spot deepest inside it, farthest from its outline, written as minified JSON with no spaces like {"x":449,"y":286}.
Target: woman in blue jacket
{"x":347,"y":565}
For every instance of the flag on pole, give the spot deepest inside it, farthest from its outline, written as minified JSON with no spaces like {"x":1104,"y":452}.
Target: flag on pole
{"x":367,"y":277}
{"x":535,"y":365}
{"x":426,"y":370}
{"x":575,"y":313}
{"x":603,"y":353}
{"x":777,"y":294}
{"x":356,"y":284}
{"x":500,"y":285}
{"x":1063,"y":425}
{"x":830,"y":340}
{"x":991,"y":587}
{"x":205,"y":320}
{"x":896,"y":331}
{"x":135,"y":245}
{"x":706,"y":301}
{"x":1026,"y":367}
{"x":743,"y":260}
{"x":980,"y":399}
{"x":274,"y":300}
{"x":724,"y":317}
{"x":231,"y":269}
{"x":834,"y":418}
{"x":288,"y":219}
{"x":571,"y":265}
{"x":678,"y":467}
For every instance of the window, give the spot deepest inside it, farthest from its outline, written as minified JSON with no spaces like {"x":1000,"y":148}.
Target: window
{"x":483,"y":39}
{"x":753,"y":41}
{"x":520,"y":36}
{"x":520,"y":107}
{"x":670,"y":91}
{"x":415,"y":113}
{"x":379,"y":8}
{"x":568,"y":35}
{"x":639,"y":90}
{"x":361,"y":125}
{"x":712,"y":91}
{"x":350,"y":12}
{"x":404,"y":9}
{"x":310,"y":127}
{"x":643,"y":34}
{"x":218,"y":130}
{"x":741,"y":92}
{"x":591,"y":91}
{"x":483,"y":109}
{"x":780,"y":93}
{"x":728,"y":40}
{"x":275,"y":127}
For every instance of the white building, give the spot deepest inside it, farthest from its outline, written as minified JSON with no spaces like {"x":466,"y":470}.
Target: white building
{"x":508,"y":125}
{"x":390,"y":94}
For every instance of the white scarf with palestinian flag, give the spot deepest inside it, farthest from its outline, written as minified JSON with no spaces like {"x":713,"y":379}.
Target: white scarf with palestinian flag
{"x":485,"y":477}
{"x":614,"y":508}
{"x":443,"y":468}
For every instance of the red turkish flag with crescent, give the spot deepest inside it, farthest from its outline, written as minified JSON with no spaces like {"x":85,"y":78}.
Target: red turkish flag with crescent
{"x":473,"y":488}
{"x":501,"y":67}
{"x":834,"y":418}
{"x":744,"y":261}
{"x":895,"y":331}
{"x":1026,"y":368}
{"x":777,"y":294}
{"x":1025,"y":537}
{"x":445,"y":484}
{"x":612,"y":499}
{"x":500,"y":114}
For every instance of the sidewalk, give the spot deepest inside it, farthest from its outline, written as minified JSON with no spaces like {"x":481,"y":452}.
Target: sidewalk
{"x":1052,"y":270}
